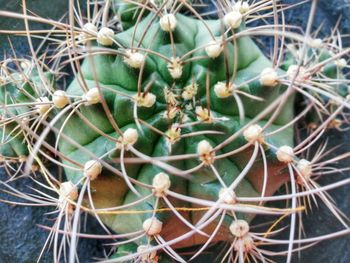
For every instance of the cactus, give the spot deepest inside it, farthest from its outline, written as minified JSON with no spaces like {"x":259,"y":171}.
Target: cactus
{"x":177,"y":129}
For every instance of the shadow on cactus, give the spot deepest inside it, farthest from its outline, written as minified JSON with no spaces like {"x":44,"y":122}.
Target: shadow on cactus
{"x":176,"y":129}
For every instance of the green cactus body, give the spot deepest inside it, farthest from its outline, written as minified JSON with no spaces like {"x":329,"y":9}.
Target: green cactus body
{"x":163,"y":99}
{"x":114,"y":76}
{"x":17,"y":90}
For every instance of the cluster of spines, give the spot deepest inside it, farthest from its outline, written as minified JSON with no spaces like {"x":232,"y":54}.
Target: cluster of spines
{"x":298,"y":77}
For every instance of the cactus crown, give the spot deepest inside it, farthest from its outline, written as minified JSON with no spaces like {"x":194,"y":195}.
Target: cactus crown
{"x":177,"y":127}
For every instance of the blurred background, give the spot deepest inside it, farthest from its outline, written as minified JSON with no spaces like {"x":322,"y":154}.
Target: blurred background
{"x":22,"y":238}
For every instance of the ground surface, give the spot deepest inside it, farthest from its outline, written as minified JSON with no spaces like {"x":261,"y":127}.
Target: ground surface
{"x":21,"y":238}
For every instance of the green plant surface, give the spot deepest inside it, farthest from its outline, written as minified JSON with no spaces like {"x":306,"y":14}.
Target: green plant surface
{"x":176,"y":129}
